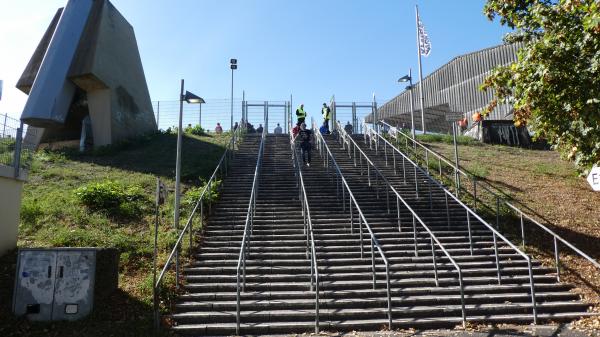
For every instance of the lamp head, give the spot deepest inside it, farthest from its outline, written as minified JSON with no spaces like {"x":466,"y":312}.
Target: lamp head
{"x":192,"y":99}
{"x":404,"y":78}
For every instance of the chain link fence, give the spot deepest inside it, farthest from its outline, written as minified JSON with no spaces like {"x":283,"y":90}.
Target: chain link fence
{"x":15,"y":150}
{"x":206,"y":115}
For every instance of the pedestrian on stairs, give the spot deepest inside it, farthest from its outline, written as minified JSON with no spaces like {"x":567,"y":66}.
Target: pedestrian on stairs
{"x":300,"y":113}
{"x":326,"y":112}
{"x":305,"y":137}
{"x":278,"y":130}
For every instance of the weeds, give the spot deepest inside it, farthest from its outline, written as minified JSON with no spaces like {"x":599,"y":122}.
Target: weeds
{"x":115,"y":199}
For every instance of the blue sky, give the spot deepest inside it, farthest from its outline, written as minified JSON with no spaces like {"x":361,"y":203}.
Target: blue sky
{"x":312,"y":49}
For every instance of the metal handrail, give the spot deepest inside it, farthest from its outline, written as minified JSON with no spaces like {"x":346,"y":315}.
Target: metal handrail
{"x":248,"y":227}
{"x":223,"y":163}
{"x":308,"y":229}
{"x":329,"y":158}
{"x":488,"y":188}
{"x":349,"y":141}
{"x":470,"y":213}
{"x":477,"y":184}
{"x":556,"y":239}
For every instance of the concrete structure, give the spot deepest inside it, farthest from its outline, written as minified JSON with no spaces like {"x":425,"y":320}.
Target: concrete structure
{"x":10,"y":207}
{"x":454,"y":87}
{"x":87,"y":64}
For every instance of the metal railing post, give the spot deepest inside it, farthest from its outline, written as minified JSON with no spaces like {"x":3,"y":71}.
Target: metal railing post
{"x":18,"y":147}
{"x":435,"y":273}
{"x":361,"y":237}
{"x":399,"y":218}
{"x":497,"y":258}
{"x":556,"y":260}
{"x":373,"y":264}
{"x":415,"y":235}
{"x":447,"y":209}
{"x":533,"y":302}
{"x":470,"y":234}
{"x":522,"y":231}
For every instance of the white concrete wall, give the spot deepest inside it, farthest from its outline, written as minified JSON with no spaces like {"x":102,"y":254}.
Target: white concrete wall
{"x":10,"y":208}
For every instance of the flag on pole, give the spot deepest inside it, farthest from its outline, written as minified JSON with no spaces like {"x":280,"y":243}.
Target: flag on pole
{"x":424,"y":43}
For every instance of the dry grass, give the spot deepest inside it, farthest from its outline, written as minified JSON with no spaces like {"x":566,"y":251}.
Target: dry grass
{"x":550,"y":190}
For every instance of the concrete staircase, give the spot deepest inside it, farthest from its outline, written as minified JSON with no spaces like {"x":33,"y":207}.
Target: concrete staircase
{"x":487,"y":301}
{"x":277,"y":297}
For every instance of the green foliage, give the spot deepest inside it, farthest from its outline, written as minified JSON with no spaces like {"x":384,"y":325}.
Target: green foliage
{"x":31,"y":211}
{"x":47,"y":156}
{"x":114,"y":199}
{"x":445,"y":138}
{"x":195,"y":130}
{"x":554,"y":85}
{"x":193,"y":194}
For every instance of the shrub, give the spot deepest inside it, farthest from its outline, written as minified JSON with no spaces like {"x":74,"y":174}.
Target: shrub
{"x":195,"y":130}
{"x":114,"y":199}
{"x":193,"y":194}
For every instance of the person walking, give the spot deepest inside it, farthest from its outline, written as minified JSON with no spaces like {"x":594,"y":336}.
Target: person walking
{"x":348,"y":128}
{"x":326,"y":112}
{"x":300,"y":113}
{"x":278,"y":130}
{"x":218,"y":129}
{"x":259,"y":129}
{"x":305,"y":137}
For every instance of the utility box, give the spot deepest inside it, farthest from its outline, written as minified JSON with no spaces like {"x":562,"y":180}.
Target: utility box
{"x":54,"y":283}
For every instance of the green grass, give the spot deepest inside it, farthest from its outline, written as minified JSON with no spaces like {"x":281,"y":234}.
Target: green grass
{"x":445,"y":138}
{"x":479,"y":171}
{"x":52,"y":215}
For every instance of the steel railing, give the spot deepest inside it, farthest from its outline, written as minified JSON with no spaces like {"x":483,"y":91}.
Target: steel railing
{"x":375,"y":137}
{"x":556,"y":237}
{"x":248,"y":227}
{"x":308,"y":229}
{"x":347,"y":143}
{"x":497,"y":197}
{"x":329,"y":160}
{"x":221,"y":170}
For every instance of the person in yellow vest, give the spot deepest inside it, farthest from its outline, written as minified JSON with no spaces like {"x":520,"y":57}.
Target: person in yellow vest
{"x":326,"y":112}
{"x":301,"y":114}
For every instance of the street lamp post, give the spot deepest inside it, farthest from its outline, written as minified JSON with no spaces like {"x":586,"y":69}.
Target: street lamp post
{"x":233,"y":66}
{"x":408,"y":78}
{"x":190,"y":98}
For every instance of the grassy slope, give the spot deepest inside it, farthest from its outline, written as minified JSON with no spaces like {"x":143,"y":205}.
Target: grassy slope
{"x":52,"y":216}
{"x":553,"y":193}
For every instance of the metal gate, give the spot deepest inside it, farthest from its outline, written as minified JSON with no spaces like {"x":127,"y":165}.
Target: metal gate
{"x":353,"y":115}
{"x":268,"y":113}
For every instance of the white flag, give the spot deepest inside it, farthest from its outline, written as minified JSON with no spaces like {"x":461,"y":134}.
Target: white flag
{"x":424,"y":43}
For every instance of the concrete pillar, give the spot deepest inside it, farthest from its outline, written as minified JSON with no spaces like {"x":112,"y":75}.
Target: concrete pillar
{"x":99,"y":105}
{"x":10,"y":208}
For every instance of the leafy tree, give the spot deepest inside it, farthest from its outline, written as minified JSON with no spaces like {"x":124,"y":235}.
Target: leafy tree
{"x":554,"y":85}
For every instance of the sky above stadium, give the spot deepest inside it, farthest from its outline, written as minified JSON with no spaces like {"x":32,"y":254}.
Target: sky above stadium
{"x":312,"y":49}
